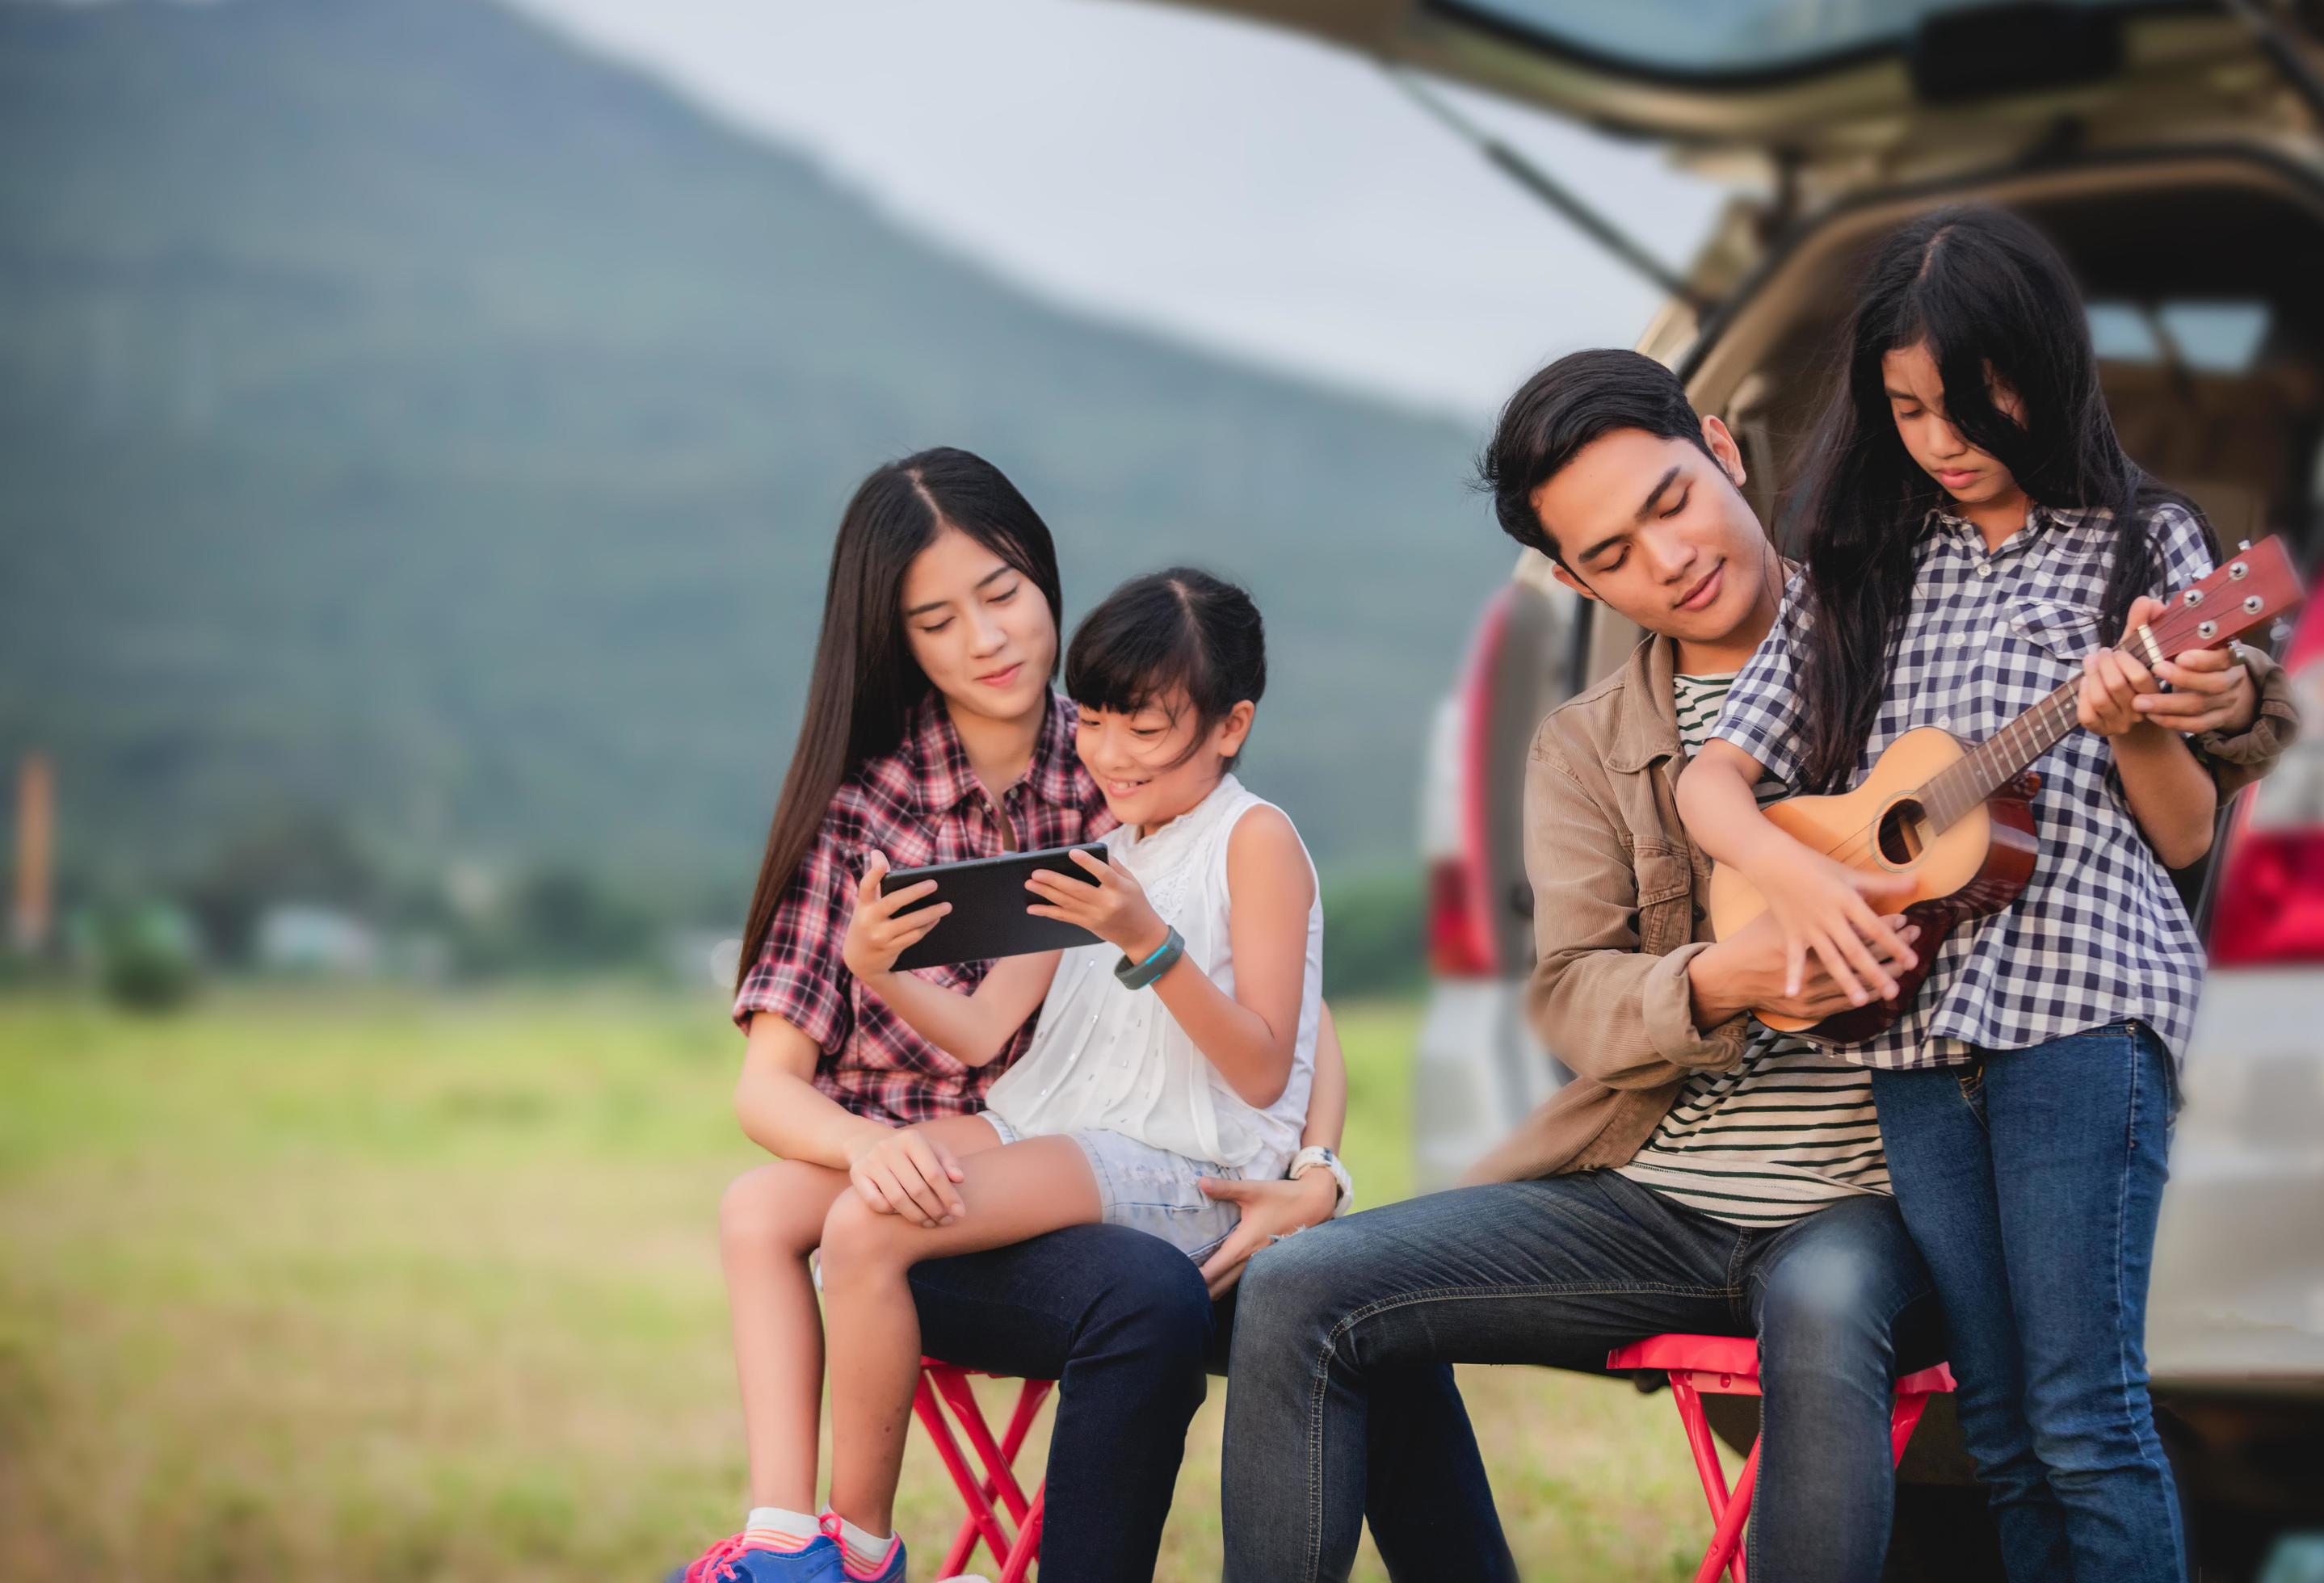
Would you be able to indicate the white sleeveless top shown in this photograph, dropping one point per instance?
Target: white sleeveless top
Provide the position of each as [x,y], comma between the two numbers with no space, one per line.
[1103,1057]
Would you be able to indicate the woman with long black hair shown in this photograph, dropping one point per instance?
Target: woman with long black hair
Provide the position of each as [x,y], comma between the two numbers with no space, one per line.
[932,734]
[1975,537]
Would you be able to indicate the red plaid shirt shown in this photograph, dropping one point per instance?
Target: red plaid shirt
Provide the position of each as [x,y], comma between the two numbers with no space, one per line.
[919,803]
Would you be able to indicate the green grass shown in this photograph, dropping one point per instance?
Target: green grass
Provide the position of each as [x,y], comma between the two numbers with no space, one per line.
[378,1287]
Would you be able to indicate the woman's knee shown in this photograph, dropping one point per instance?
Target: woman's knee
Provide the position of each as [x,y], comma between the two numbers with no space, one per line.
[775,1209]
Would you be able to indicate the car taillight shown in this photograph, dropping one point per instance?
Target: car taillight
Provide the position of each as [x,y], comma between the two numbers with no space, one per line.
[2271,901]
[1461,942]
[1458,946]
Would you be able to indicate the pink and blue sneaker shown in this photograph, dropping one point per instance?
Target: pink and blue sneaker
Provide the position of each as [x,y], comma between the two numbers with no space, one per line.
[855,1566]
[745,1559]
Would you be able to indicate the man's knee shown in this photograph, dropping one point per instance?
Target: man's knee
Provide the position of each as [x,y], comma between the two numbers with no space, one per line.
[1298,1287]
[1827,1307]
[1153,1303]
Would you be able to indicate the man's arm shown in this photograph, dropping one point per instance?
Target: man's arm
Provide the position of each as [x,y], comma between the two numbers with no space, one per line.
[1612,1012]
[2237,758]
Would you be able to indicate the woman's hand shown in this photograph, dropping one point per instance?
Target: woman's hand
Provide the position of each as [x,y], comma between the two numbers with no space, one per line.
[876,936]
[906,1173]
[1826,909]
[1114,908]
[2112,681]
[1270,1209]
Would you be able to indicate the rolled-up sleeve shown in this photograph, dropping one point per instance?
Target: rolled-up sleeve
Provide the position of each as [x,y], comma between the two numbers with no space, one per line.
[2237,759]
[799,975]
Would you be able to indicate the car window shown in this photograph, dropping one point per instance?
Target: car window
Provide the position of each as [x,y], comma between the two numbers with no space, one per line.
[2206,336]
[1686,38]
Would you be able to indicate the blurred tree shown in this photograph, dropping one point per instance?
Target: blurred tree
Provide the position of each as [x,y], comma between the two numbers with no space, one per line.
[304,855]
[146,956]
[1372,929]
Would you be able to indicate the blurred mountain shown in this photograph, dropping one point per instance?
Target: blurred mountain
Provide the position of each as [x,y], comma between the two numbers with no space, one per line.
[404,413]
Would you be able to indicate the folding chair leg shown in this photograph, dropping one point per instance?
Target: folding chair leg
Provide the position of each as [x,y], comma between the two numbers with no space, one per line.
[1707,1467]
[1028,1543]
[1727,1542]
[1000,1473]
[982,1522]
[940,1385]
[1906,1420]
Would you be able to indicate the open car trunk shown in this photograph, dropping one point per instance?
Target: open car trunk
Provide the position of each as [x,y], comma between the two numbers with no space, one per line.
[2201,271]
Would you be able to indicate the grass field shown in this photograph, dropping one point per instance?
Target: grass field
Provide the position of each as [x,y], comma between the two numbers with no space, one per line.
[377,1287]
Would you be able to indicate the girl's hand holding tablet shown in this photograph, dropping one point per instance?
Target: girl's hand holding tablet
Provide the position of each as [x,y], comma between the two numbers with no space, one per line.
[876,936]
[1113,906]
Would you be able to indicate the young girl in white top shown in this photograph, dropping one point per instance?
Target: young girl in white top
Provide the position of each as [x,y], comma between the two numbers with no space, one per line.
[1181,1046]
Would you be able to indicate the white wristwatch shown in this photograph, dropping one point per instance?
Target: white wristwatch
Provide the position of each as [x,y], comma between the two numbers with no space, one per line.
[1316,1157]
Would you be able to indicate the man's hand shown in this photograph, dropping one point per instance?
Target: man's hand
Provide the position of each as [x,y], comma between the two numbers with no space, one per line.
[1269,1209]
[1745,972]
[906,1173]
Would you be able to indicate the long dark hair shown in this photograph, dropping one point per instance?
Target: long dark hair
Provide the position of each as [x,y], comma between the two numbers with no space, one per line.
[865,683]
[1993,300]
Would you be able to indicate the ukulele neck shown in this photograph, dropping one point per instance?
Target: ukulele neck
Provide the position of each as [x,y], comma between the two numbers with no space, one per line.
[2002,756]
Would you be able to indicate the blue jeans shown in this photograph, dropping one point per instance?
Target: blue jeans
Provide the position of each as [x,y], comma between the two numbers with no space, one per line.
[1122,1320]
[2030,1182]
[1561,1272]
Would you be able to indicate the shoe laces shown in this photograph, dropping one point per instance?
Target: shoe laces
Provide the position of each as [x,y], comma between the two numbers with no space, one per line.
[717,1563]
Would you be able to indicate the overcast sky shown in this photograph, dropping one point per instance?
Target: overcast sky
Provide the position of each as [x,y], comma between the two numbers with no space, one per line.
[1227,184]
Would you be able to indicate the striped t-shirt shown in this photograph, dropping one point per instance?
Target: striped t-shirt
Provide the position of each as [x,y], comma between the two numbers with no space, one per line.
[1786,1130]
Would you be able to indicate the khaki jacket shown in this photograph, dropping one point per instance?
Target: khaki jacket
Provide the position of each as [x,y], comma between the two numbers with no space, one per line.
[1621,908]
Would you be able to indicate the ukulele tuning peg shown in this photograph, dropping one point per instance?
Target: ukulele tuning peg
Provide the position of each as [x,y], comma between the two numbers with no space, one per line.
[2242,545]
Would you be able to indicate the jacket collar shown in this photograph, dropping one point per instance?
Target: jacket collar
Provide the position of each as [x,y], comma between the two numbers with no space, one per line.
[1648,727]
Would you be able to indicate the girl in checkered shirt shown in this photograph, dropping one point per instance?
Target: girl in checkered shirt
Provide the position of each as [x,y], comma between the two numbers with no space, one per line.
[1975,537]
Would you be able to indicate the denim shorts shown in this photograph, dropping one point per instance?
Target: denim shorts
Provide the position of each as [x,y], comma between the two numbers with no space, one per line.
[1151,1190]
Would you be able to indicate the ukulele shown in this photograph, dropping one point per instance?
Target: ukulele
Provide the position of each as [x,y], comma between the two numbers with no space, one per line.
[1959,820]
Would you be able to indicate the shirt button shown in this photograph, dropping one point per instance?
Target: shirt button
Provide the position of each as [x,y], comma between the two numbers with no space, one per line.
[1946,723]
[1984,570]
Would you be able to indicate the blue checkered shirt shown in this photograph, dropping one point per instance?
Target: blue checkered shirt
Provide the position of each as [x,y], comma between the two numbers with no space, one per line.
[2099,935]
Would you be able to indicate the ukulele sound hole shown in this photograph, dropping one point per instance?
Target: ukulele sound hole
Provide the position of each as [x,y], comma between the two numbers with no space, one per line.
[1903,833]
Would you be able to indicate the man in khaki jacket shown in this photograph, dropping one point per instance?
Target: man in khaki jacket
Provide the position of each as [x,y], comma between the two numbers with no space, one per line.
[1701,1173]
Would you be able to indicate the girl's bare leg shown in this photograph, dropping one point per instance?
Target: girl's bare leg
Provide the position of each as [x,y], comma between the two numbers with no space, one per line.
[769,1221]
[1012,1193]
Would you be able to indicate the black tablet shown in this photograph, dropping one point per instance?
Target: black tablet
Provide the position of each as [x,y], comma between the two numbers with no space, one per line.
[989,899]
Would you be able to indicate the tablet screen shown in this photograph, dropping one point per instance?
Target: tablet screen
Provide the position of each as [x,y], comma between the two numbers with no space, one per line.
[989,898]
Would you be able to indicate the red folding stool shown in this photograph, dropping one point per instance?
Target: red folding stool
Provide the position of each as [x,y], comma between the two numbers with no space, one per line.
[943,1385]
[1728,1365]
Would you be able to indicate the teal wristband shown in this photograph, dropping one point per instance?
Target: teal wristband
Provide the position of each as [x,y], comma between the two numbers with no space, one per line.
[1136,975]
